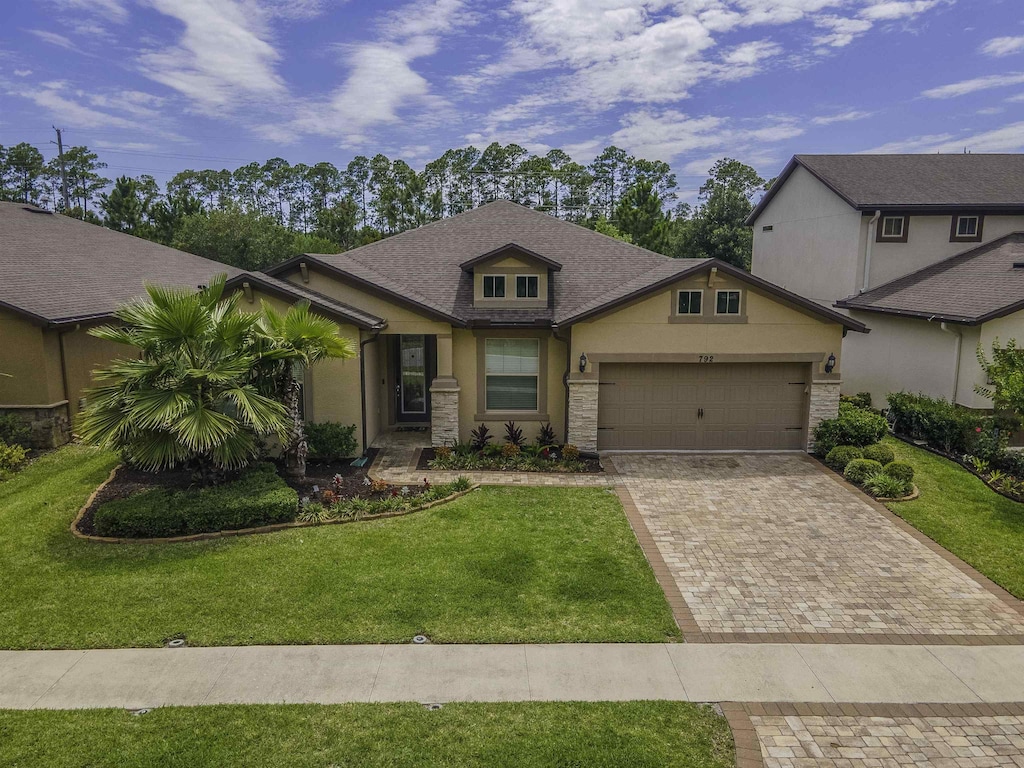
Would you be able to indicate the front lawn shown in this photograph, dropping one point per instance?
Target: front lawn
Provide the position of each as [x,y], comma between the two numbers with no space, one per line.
[498,565]
[635,734]
[961,513]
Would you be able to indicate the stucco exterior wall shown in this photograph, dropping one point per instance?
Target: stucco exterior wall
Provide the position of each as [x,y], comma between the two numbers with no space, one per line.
[32,364]
[84,354]
[814,247]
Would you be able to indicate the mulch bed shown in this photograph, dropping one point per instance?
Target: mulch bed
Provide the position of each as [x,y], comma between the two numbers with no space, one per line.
[591,465]
[127,482]
[321,475]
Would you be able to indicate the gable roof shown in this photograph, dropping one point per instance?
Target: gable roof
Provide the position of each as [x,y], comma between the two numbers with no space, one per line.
[510,247]
[324,305]
[425,268]
[987,182]
[970,288]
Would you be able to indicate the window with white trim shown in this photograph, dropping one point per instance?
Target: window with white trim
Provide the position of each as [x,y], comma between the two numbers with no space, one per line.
[494,286]
[967,227]
[893,227]
[689,303]
[512,374]
[527,286]
[727,302]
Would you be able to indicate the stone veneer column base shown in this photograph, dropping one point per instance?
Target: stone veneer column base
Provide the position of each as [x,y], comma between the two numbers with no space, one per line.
[444,412]
[824,405]
[50,425]
[583,394]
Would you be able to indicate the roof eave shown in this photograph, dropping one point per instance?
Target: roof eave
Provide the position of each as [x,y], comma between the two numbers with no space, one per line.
[335,312]
[468,265]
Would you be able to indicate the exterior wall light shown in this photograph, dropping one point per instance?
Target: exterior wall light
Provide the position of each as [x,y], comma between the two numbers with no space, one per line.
[830,364]
[583,362]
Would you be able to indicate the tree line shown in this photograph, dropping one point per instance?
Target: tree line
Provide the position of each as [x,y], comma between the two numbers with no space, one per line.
[261,213]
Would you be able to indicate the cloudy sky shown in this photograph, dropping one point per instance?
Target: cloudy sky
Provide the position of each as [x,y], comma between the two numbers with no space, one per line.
[159,85]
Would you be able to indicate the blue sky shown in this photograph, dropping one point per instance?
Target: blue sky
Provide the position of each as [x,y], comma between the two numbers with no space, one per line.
[160,85]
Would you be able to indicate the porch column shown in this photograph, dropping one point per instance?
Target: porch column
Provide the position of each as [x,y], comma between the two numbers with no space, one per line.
[583,414]
[444,397]
[824,404]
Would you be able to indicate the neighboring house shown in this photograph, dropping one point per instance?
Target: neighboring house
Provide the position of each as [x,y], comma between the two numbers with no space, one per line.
[60,276]
[921,247]
[504,313]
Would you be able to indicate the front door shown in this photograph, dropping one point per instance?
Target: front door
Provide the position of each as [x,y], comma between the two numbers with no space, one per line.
[414,369]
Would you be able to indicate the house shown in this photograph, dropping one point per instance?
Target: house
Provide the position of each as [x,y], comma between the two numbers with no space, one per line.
[60,276]
[505,313]
[921,247]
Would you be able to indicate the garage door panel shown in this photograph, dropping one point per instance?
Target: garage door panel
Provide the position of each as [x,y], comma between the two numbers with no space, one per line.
[654,406]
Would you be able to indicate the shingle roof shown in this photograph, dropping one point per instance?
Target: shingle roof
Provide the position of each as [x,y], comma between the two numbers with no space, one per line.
[871,182]
[318,301]
[424,267]
[969,288]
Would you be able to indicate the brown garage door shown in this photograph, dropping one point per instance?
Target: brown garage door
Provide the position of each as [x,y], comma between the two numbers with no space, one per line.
[716,406]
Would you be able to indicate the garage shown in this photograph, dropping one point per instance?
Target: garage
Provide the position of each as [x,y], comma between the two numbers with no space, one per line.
[702,406]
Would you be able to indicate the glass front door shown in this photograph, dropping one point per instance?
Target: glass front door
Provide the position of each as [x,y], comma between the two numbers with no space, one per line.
[412,377]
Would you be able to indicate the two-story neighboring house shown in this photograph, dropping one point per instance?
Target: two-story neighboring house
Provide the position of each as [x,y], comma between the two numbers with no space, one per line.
[926,249]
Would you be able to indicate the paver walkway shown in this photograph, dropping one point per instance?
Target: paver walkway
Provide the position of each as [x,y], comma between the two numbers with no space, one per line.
[772,545]
[141,677]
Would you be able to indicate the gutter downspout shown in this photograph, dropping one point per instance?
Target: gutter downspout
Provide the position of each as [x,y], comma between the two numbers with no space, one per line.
[567,340]
[959,349]
[362,380]
[872,225]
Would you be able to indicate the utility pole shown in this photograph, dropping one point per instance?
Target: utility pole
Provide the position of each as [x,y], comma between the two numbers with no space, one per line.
[63,172]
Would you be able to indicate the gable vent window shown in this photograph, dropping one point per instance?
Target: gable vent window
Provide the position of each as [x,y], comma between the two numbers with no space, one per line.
[893,229]
[494,286]
[527,286]
[966,229]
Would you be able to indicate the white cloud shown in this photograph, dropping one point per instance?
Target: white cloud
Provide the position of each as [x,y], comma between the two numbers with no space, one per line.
[842,117]
[222,59]
[965,87]
[890,10]
[137,103]
[114,10]
[1003,46]
[914,144]
[54,39]
[22,72]
[842,30]
[52,98]
[1008,138]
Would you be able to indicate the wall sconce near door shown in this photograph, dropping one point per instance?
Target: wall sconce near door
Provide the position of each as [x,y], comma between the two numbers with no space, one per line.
[830,364]
[583,362]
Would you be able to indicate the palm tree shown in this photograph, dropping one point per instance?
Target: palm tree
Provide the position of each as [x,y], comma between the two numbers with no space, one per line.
[199,392]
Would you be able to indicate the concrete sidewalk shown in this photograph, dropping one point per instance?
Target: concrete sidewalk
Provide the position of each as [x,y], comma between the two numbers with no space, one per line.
[134,678]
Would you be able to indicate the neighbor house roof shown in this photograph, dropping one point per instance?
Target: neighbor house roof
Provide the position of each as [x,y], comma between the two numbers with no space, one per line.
[983,182]
[58,270]
[970,288]
[425,268]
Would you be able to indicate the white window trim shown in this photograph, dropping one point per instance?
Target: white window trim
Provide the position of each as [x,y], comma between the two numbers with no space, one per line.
[526,298]
[977,225]
[483,289]
[903,227]
[690,314]
[488,374]
[739,302]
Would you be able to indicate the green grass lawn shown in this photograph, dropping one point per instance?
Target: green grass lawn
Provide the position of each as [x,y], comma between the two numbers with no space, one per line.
[961,513]
[498,565]
[619,735]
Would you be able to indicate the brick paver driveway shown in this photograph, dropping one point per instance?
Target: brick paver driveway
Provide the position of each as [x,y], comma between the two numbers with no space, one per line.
[771,544]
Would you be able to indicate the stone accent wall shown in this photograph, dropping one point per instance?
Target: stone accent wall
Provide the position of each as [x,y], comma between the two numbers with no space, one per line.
[583,396]
[824,405]
[50,425]
[444,412]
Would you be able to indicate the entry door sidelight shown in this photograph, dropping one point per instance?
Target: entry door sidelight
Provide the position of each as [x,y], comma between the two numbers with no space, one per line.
[414,369]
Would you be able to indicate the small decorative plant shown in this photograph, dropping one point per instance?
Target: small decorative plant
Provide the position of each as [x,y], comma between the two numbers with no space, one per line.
[514,434]
[979,465]
[546,436]
[480,437]
[886,486]
[570,452]
[508,450]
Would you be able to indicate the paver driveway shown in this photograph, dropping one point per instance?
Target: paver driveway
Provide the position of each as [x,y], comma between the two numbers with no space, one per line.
[768,543]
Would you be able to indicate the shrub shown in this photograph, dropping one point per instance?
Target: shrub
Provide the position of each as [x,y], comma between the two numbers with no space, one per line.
[257,498]
[900,470]
[886,486]
[11,457]
[881,453]
[508,450]
[514,434]
[859,470]
[853,426]
[842,455]
[546,436]
[330,441]
[14,431]
[570,452]
[315,512]
[859,400]
[480,437]
[941,424]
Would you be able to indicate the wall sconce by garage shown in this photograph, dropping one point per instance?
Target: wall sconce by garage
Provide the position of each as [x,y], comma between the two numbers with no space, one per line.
[583,362]
[830,364]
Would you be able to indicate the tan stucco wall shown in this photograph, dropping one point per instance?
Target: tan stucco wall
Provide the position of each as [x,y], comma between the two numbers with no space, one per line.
[465,366]
[771,328]
[83,354]
[510,266]
[32,360]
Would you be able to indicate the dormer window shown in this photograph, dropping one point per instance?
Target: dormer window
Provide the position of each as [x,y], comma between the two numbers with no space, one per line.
[966,228]
[527,286]
[893,229]
[494,286]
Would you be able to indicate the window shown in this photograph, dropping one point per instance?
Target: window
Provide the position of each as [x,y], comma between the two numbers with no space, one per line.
[689,302]
[727,302]
[527,286]
[966,229]
[893,228]
[494,286]
[512,374]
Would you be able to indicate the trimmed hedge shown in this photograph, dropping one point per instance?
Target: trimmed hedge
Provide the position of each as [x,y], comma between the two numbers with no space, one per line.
[258,498]
[842,455]
[329,440]
[859,470]
[853,426]
[900,470]
[881,453]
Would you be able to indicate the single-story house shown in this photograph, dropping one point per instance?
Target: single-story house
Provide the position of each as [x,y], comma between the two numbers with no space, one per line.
[503,313]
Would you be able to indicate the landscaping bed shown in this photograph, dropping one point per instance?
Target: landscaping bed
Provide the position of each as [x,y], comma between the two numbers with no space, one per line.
[529,459]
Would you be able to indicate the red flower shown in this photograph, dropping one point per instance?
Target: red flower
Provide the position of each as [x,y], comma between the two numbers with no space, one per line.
[977,429]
